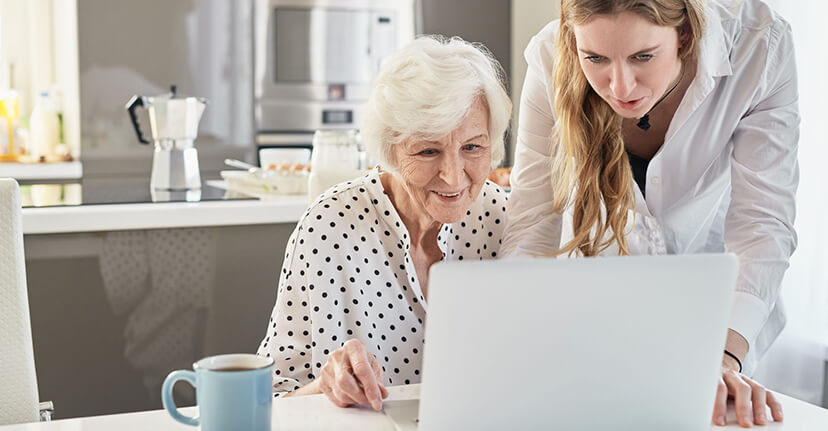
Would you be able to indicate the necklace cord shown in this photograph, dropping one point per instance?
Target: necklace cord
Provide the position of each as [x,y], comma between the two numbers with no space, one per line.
[644,122]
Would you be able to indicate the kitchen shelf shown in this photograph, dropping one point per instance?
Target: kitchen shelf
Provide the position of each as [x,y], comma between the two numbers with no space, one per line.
[42,171]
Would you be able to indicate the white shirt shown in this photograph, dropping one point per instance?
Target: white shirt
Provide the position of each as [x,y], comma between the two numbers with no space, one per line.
[724,180]
[347,274]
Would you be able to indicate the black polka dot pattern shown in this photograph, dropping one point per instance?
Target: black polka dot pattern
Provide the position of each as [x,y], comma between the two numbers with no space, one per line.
[347,274]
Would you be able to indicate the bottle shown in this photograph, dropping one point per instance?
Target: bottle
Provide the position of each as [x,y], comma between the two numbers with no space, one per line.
[44,128]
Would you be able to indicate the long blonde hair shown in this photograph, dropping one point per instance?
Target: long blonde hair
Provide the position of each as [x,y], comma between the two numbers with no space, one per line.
[591,171]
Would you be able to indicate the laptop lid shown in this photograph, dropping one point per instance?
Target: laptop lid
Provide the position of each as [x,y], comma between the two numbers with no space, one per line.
[597,343]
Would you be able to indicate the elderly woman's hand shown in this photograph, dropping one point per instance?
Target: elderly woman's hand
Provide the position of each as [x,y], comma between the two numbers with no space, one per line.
[353,376]
[750,398]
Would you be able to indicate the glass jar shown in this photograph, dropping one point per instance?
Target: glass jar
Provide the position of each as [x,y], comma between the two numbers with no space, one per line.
[335,159]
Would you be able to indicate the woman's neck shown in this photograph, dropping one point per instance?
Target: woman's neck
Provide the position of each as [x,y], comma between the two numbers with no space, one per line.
[422,228]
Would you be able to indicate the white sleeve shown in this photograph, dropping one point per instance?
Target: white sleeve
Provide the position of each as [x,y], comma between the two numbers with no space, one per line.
[288,336]
[764,176]
[532,225]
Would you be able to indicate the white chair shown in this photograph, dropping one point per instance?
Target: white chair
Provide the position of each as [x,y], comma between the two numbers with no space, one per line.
[18,381]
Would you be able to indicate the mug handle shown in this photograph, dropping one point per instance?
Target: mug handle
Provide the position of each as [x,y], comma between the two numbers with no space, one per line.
[167,399]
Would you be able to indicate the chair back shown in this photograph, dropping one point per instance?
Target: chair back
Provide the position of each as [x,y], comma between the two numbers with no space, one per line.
[18,381]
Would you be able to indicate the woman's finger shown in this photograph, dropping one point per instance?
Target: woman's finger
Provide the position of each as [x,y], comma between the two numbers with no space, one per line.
[328,383]
[379,375]
[345,399]
[329,393]
[775,406]
[741,397]
[720,406]
[345,382]
[376,367]
[759,399]
[361,366]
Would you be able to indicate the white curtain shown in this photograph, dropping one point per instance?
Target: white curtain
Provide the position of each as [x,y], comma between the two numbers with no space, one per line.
[795,363]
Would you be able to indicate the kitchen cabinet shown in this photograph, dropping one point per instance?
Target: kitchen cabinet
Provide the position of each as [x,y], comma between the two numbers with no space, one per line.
[117,304]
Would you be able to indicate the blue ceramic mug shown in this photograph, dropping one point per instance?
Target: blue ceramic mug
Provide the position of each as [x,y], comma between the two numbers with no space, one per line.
[233,392]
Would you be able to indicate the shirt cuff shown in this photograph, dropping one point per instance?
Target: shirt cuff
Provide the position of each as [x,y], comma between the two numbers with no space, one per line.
[748,316]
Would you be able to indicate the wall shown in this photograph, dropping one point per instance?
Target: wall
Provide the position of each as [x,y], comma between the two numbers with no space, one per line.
[143,47]
[796,363]
[485,21]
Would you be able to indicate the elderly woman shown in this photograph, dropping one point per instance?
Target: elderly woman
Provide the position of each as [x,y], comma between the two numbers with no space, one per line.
[353,292]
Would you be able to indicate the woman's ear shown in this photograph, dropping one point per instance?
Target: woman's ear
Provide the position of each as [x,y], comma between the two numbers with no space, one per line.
[683,35]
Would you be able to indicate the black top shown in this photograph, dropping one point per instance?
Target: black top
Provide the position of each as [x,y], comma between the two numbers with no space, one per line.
[639,171]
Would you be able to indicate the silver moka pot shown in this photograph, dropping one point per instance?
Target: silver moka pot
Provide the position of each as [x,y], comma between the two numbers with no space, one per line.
[174,125]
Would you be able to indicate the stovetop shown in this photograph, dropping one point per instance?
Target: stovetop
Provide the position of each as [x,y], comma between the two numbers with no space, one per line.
[115,191]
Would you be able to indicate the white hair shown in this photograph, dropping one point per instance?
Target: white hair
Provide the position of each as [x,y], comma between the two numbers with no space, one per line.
[426,89]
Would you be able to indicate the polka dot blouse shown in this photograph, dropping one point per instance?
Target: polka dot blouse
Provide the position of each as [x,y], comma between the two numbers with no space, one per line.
[347,274]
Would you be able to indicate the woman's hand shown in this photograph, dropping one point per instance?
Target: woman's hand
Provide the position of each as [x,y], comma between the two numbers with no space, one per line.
[750,398]
[353,376]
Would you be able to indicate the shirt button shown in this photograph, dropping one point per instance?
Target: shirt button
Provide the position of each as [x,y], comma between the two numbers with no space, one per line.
[655,180]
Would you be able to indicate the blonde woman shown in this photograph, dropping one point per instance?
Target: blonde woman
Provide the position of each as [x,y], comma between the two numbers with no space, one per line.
[666,127]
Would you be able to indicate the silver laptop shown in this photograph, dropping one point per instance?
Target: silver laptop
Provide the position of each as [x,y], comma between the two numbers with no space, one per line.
[632,343]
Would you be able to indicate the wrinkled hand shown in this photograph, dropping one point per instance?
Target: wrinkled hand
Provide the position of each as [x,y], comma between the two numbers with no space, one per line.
[750,398]
[353,376]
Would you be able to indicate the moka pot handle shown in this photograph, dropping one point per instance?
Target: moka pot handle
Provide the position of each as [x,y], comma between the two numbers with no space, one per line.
[135,102]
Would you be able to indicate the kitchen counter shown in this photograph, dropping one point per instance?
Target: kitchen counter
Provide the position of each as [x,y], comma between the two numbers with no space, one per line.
[100,210]
[111,217]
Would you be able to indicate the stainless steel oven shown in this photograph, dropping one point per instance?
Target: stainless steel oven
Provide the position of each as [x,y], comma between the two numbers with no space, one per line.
[314,62]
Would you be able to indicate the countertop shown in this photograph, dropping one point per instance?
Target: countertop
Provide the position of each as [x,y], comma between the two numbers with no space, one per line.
[155,215]
[92,218]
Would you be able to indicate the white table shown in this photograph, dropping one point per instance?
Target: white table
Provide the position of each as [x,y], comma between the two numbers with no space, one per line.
[317,413]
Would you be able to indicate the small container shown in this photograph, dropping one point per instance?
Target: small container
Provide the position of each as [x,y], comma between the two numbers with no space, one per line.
[335,159]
